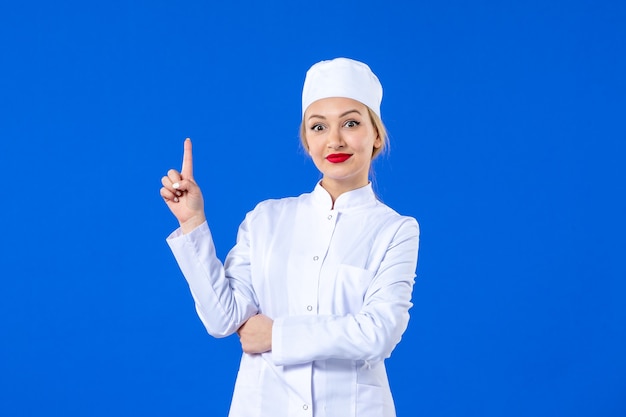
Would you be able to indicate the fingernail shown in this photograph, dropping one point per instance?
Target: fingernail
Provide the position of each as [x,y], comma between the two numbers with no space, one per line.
[176,199]
[178,193]
[176,185]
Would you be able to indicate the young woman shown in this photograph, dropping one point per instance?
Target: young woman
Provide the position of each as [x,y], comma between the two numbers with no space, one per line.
[318,287]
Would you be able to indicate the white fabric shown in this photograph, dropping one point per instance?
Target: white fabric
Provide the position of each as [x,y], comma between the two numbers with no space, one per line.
[337,283]
[342,77]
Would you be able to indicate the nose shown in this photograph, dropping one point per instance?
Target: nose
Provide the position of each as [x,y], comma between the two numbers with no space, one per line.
[335,141]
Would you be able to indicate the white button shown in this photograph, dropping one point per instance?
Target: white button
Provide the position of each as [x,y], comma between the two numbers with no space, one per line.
[310,308]
[305,407]
[315,258]
[330,216]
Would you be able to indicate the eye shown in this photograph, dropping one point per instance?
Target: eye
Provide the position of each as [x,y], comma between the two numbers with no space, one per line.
[317,127]
[351,123]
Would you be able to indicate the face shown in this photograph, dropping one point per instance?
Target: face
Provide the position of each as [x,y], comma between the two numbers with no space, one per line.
[341,138]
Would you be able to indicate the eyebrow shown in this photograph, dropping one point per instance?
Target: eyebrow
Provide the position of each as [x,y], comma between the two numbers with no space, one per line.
[340,116]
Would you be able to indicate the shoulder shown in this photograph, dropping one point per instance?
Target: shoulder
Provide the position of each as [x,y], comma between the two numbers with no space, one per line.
[272,207]
[392,227]
[398,231]
[392,217]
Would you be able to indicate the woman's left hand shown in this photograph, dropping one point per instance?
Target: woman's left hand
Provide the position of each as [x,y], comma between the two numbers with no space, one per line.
[255,334]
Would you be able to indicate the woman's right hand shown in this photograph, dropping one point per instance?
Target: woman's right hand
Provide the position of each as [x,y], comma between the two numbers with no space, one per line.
[182,195]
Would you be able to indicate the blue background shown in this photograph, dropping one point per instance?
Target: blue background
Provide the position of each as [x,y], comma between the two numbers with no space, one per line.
[507,144]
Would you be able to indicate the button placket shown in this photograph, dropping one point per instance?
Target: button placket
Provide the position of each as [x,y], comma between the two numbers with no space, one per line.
[320,245]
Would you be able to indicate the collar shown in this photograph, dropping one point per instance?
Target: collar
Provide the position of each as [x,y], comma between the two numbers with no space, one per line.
[360,197]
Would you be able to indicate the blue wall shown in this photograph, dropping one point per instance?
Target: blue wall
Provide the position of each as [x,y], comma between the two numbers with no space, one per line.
[508,145]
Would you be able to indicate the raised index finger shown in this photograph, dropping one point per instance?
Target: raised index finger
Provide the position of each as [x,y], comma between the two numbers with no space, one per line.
[187,169]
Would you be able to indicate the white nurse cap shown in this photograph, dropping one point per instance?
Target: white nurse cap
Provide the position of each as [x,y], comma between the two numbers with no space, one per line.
[342,77]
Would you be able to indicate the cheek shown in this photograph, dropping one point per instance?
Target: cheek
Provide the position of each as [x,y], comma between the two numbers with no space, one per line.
[364,145]
[314,146]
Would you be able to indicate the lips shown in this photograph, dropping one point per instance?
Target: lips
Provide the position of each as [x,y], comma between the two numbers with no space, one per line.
[336,158]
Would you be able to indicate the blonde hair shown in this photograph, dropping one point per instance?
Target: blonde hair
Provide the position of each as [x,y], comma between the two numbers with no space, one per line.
[378,125]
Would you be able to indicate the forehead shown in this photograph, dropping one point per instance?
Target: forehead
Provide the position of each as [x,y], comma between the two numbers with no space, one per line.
[334,107]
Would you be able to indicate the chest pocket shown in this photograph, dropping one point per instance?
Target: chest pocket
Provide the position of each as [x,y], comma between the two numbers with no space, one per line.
[349,289]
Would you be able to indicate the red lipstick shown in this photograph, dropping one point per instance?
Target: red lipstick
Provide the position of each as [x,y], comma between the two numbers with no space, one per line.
[336,158]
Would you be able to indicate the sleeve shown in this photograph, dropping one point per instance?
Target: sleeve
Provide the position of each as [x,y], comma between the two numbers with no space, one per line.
[372,333]
[223,300]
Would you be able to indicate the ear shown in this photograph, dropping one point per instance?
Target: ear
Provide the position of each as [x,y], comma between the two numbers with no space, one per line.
[378,142]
